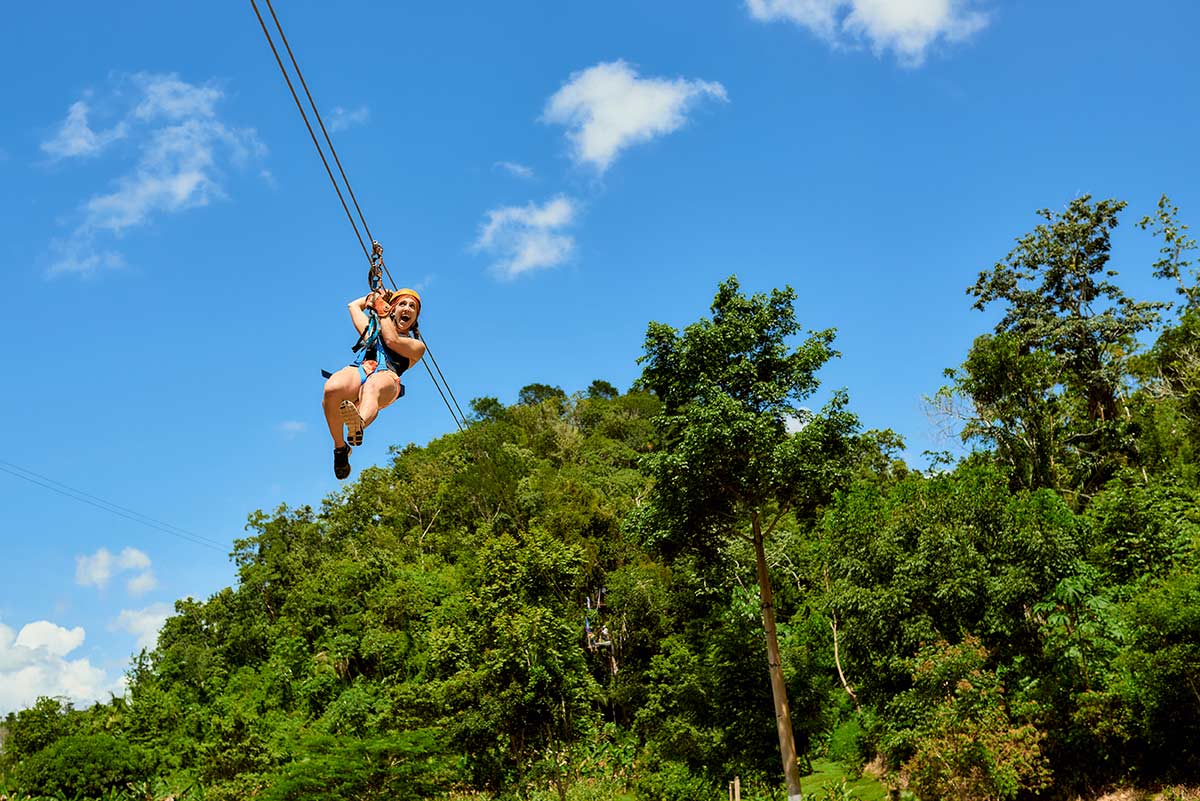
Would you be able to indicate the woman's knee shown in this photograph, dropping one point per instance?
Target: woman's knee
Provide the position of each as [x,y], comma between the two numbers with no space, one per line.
[341,385]
[381,390]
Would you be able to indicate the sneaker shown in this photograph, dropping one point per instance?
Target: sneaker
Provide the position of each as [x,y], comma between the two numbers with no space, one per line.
[341,461]
[354,423]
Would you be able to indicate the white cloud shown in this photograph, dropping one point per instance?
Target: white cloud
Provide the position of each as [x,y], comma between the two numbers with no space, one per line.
[76,138]
[167,97]
[142,583]
[607,108]
[144,624]
[908,28]
[342,119]
[528,237]
[96,570]
[513,168]
[132,559]
[33,663]
[78,254]
[291,428]
[181,148]
[798,420]
[55,639]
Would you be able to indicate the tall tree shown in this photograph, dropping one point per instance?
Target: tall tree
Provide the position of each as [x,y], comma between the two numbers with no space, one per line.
[736,450]
[1047,388]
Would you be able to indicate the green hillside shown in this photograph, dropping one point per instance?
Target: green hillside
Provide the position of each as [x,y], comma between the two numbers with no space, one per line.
[562,602]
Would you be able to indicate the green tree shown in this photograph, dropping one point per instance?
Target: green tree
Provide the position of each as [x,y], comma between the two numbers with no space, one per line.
[487,408]
[511,669]
[731,462]
[1169,408]
[37,727]
[602,389]
[1161,676]
[83,766]
[1048,388]
[933,556]
[534,394]
[1173,263]
[967,743]
[404,767]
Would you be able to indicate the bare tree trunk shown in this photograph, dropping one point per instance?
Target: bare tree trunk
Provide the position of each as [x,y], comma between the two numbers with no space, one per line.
[837,660]
[783,717]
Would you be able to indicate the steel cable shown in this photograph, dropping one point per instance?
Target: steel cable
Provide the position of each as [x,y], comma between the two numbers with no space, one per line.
[308,125]
[459,417]
[46,482]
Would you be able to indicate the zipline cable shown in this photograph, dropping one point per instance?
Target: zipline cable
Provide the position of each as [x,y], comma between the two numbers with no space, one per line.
[429,353]
[329,141]
[459,417]
[308,125]
[439,389]
[68,491]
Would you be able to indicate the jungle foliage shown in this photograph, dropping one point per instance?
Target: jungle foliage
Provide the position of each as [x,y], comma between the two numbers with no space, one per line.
[563,600]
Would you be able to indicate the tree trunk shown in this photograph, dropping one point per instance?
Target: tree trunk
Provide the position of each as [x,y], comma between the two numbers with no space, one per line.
[783,717]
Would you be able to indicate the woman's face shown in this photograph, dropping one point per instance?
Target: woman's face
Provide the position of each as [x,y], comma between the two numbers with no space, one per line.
[404,312]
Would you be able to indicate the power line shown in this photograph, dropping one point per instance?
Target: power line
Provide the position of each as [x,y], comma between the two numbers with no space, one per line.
[25,474]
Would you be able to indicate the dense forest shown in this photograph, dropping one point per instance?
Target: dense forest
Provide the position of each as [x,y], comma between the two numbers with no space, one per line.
[642,594]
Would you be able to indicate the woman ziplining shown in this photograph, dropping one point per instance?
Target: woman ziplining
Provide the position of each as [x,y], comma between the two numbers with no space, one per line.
[386,322]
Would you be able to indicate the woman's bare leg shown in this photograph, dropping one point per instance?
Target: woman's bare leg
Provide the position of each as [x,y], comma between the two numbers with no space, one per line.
[341,386]
[379,391]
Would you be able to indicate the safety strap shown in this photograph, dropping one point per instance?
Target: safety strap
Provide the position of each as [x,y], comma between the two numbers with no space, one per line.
[368,339]
[370,334]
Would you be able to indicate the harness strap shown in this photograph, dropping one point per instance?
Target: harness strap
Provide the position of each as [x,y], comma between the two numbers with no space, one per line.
[370,334]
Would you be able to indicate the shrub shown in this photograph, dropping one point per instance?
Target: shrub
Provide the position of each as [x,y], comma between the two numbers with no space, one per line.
[673,782]
[397,767]
[83,766]
[966,742]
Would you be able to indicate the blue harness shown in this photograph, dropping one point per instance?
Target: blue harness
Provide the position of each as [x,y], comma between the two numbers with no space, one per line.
[370,347]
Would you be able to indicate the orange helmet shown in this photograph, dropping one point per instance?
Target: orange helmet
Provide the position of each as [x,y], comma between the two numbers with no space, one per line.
[392,297]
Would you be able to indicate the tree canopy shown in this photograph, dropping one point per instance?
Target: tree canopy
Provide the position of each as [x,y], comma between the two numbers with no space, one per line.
[572,597]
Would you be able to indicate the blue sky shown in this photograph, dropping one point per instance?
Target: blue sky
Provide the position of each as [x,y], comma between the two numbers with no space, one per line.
[551,177]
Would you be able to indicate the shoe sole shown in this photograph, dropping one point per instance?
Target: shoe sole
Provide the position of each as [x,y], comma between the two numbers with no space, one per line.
[354,423]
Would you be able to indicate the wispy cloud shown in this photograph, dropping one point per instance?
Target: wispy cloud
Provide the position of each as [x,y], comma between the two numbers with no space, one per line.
[181,148]
[908,28]
[75,136]
[34,663]
[142,583]
[291,428]
[513,168]
[144,624]
[341,119]
[607,108]
[97,569]
[527,238]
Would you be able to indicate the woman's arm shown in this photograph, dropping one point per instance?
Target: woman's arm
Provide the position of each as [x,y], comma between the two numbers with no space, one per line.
[358,313]
[411,349]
